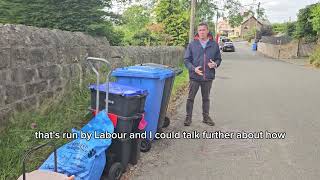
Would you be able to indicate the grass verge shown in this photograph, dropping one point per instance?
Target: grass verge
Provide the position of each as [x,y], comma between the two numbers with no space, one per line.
[180,81]
[66,112]
[315,58]
[179,89]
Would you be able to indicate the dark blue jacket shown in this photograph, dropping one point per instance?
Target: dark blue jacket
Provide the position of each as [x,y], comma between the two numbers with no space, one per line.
[196,55]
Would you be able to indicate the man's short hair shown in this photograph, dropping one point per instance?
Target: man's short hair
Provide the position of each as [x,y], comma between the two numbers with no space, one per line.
[203,24]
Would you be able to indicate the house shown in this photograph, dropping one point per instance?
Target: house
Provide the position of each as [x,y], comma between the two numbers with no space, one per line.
[249,24]
[223,27]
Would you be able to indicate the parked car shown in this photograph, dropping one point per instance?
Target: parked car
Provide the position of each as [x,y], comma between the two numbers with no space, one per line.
[226,40]
[228,46]
[222,41]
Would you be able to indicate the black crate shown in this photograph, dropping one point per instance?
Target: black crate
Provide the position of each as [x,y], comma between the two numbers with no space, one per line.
[121,105]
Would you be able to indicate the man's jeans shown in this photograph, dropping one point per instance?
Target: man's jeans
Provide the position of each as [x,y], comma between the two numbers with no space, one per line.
[205,92]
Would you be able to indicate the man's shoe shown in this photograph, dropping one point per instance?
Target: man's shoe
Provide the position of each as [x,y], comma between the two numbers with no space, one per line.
[187,122]
[208,121]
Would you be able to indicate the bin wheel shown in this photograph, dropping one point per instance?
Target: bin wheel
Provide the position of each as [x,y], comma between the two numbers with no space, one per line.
[166,122]
[145,145]
[115,171]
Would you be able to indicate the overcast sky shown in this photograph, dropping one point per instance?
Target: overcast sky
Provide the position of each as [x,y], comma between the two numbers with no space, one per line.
[281,10]
[276,10]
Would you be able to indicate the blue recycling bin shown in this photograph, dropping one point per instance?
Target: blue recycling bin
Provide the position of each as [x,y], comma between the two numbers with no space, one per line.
[151,79]
[254,46]
[164,121]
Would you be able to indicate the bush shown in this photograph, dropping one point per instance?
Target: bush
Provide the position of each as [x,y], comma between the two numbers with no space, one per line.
[278,27]
[315,57]
[290,28]
[304,25]
[250,35]
[315,14]
[265,31]
[142,38]
[113,35]
[310,38]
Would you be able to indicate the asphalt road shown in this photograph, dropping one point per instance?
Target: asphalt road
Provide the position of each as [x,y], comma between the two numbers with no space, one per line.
[252,94]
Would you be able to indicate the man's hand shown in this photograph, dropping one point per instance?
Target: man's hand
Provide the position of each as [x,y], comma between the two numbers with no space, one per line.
[198,71]
[70,178]
[212,64]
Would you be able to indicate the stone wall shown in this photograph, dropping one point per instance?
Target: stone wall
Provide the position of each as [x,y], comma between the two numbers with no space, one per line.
[269,50]
[306,49]
[36,63]
[293,49]
[172,56]
[284,51]
[276,39]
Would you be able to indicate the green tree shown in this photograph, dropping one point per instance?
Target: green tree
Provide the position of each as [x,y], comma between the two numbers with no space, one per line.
[70,15]
[174,15]
[279,27]
[261,13]
[144,38]
[177,27]
[250,35]
[136,17]
[315,14]
[114,36]
[158,32]
[234,16]
[304,26]
[235,20]
[205,11]
[290,28]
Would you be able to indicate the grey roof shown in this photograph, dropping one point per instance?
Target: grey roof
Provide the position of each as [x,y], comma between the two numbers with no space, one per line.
[262,21]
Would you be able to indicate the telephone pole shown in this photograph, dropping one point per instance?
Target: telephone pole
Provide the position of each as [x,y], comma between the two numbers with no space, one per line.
[258,15]
[258,12]
[192,19]
[216,27]
[217,18]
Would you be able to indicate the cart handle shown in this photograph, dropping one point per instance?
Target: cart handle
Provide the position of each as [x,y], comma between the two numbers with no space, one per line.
[89,59]
[36,148]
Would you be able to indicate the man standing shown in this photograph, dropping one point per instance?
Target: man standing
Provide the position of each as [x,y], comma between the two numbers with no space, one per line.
[202,58]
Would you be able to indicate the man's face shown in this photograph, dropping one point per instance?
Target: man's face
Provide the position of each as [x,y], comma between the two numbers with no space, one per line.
[203,32]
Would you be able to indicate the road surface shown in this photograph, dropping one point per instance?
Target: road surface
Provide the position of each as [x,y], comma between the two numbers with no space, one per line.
[252,94]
